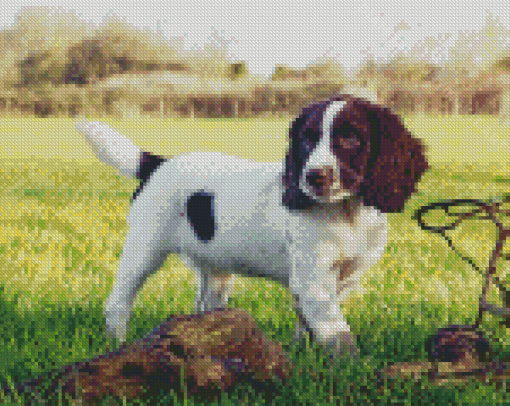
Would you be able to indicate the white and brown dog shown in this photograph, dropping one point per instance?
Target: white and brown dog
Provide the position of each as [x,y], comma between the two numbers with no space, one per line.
[315,222]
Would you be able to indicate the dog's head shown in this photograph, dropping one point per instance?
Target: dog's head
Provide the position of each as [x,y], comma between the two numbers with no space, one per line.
[346,147]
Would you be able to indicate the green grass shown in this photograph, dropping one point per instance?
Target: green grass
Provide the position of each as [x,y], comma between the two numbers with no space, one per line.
[62,227]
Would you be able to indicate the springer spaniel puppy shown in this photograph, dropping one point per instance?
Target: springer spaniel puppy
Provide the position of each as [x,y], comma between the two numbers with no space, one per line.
[315,222]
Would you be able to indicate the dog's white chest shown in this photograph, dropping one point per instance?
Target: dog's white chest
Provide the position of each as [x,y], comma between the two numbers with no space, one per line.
[333,235]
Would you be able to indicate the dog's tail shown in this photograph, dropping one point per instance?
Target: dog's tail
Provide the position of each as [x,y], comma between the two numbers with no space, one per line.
[112,147]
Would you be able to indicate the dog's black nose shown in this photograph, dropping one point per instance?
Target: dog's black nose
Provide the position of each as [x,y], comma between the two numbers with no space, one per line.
[320,179]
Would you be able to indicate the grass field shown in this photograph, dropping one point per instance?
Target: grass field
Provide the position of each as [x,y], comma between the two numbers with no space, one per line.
[63,224]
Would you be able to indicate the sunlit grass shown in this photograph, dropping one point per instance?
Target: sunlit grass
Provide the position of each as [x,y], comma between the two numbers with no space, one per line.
[54,138]
[63,224]
[476,139]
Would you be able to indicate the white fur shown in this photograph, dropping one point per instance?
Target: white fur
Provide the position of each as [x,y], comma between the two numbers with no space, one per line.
[111,147]
[255,235]
[323,156]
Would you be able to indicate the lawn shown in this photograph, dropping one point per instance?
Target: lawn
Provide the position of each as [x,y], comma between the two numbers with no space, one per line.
[63,224]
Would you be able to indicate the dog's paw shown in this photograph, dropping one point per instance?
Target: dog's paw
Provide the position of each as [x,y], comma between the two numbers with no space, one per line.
[343,345]
[301,333]
[117,318]
[346,345]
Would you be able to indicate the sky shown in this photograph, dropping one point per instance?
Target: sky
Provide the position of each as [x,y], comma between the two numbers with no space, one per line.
[265,33]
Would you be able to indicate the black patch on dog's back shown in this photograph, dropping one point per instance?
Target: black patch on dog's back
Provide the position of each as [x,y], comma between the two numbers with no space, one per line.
[148,165]
[200,211]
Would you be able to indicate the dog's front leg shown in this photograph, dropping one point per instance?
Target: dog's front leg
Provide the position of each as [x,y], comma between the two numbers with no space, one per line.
[302,330]
[314,283]
[330,331]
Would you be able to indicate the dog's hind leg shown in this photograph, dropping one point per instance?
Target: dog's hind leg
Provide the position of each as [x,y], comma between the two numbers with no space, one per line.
[213,289]
[144,252]
[136,265]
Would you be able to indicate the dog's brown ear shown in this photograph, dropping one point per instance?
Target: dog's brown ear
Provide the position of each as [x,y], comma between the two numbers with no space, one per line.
[397,162]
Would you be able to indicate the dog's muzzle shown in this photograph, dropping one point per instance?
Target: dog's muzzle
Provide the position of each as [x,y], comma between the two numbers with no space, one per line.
[321,180]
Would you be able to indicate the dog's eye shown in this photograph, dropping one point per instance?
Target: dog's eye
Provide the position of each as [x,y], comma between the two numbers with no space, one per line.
[346,138]
[350,142]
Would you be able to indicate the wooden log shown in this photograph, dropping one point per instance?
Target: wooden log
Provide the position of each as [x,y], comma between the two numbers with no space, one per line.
[208,352]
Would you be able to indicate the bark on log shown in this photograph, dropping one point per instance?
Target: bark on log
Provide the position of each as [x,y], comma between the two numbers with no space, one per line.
[213,350]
